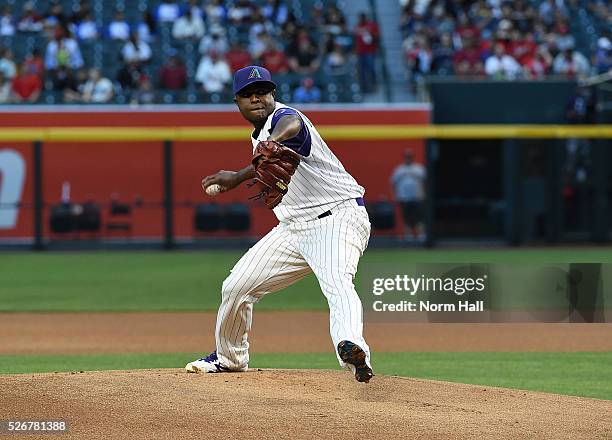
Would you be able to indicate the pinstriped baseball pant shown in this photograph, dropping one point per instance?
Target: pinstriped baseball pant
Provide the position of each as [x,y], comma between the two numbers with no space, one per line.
[330,247]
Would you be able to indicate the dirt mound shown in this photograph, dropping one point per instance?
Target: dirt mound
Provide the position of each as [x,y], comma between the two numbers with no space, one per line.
[282,404]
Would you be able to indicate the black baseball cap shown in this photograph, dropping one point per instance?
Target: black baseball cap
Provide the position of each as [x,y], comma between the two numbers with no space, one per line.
[251,75]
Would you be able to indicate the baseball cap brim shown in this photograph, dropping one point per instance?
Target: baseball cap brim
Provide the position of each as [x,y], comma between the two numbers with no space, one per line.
[268,84]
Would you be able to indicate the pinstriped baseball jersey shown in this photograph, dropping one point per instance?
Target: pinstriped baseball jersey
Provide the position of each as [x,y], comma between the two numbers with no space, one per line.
[320,182]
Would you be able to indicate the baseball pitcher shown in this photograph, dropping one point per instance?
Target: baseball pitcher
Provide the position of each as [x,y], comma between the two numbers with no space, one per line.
[323,228]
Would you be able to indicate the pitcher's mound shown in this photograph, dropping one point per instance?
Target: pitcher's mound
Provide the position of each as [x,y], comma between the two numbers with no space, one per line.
[291,404]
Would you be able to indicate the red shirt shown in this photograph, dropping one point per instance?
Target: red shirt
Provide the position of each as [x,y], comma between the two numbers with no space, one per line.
[26,85]
[366,38]
[523,50]
[237,59]
[275,61]
[173,77]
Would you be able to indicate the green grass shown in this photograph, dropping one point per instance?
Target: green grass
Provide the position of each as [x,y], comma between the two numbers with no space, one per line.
[586,374]
[189,281]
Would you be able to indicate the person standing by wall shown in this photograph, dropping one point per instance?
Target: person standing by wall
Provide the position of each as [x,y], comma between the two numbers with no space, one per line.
[408,180]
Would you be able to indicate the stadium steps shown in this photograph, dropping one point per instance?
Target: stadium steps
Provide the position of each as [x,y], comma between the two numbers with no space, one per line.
[389,13]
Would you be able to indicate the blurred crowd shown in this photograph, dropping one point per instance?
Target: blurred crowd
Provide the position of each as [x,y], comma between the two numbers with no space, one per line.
[273,37]
[504,39]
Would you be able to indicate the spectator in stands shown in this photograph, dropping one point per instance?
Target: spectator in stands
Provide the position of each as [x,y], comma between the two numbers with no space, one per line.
[63,78]
[307,92]
[7,22]
[336,62]
[97,90]
[259,23]
[55,18]
[442,61]
[241,12]
[119,29]
[550,9]
[419,58]
[7,65]
[501,65]
[196,9]
[408,181]
[26,86]
[468,61]
[303,55]
[290,28]
[216,13]
[167,12]
[82,10]
[275,11]
[565,40]
[238,57]
[63,50]
[146,27]
[215,41]
[145,94]
[522,46]
[136,50]
[571,64]
[258,44]
[87,29]
[213,73]
[188,27]
[34,63]
[539,66]
[366,46]
[173,75]
[5,90]
[333,20]
[75,86]
[29,21]
[274,59]
[130,75]
[603,56]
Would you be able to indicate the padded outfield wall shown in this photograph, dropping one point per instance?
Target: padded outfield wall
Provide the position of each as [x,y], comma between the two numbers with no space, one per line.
[97,169]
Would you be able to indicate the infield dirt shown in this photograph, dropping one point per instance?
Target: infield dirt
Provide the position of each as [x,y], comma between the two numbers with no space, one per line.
[277,332]
[287,404]
[293,404]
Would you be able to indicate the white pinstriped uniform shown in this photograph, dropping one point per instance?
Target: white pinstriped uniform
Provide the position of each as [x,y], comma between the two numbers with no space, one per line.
[300,244]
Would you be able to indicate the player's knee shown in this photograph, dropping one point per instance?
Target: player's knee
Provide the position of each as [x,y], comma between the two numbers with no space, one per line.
[232,288]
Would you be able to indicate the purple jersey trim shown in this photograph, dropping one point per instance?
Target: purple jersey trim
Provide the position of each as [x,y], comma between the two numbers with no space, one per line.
[301,142]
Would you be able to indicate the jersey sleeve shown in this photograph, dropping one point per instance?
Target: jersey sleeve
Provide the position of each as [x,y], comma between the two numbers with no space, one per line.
[301,142]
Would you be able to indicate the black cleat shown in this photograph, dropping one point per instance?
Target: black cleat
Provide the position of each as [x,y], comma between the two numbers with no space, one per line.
[354,355]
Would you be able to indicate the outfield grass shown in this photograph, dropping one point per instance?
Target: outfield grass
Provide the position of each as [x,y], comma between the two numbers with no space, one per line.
[191,281]
[584,374]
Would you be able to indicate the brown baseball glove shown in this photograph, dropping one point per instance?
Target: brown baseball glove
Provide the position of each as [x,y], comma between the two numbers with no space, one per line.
[274,165]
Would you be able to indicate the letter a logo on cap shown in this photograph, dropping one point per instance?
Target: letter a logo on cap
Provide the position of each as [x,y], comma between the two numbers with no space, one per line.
[254,73]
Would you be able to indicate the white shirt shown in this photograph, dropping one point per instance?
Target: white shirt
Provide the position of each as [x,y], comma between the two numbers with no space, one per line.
[168,12]
[213,76]
[130,53]
[101,91]
[408,181]
[8,67]
[7,28]
[320,182]
[184,28]
[208,43]
[119,30]
[507,66]
[87,30]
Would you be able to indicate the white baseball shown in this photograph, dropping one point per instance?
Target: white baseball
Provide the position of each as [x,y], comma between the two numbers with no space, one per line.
[213,190]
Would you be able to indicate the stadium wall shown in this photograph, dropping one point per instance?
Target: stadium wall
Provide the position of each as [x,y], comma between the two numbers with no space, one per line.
[134,170]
